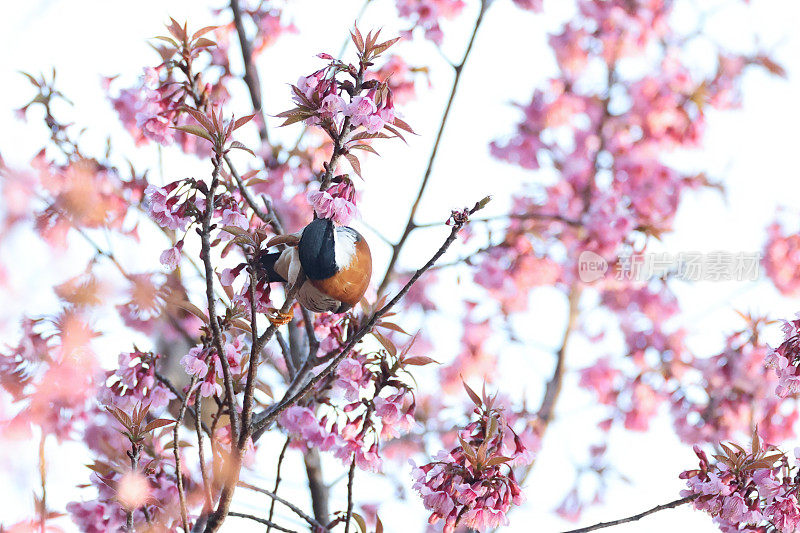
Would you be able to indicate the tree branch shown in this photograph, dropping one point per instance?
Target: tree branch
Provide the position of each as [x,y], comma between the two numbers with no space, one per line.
[411,225]
[177,453]
[216,334]
[316,485]
[268,218]
[657,508]
[250,71]
[278,478]
[252,369]
[261,521]
[553,388]
[351,475]
[290,505]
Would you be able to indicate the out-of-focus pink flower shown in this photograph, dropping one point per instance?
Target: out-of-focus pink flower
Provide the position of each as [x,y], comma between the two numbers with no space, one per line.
[132,490]
[171,257]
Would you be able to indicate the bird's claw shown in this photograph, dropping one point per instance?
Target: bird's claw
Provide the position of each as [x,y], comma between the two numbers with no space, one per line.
[276,318]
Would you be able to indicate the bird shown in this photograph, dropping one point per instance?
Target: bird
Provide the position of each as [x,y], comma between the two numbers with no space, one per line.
[336,261]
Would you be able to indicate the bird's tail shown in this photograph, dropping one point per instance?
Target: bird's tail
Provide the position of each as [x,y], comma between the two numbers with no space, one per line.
[267,263]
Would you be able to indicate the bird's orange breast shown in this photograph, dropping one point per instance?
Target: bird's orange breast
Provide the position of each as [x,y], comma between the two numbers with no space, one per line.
[349,284]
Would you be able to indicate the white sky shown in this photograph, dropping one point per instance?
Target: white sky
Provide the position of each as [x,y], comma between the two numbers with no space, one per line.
[753,149]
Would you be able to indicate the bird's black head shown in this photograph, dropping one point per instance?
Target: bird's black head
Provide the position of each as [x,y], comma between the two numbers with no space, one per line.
[317,249]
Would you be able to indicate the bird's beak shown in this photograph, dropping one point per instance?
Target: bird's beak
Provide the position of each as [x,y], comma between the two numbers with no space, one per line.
[292,239]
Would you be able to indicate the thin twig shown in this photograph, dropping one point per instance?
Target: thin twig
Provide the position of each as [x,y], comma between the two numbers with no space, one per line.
[410,225]
[194,410]
[208,503]
[250,71]
[351,475]
[299,512]
[512,216]
[268,217]
[43,481]
[278,479]
[249,389]
[261,521]
[287,355]
[342,50]
[657,508]
[133,454]
[205,254]
[177,453]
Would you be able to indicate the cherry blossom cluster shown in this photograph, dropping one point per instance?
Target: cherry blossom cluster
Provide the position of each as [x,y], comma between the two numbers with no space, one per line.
[746,491]
[337,202]
[739,392]
[177,205]
[367,401]
[134,382]
[782,259]
[149,492]
[50,375]
[473,485]
[427,14]
[320,97]
[270,23]
[83,194]
[785,359]
[154,108]
[204,363]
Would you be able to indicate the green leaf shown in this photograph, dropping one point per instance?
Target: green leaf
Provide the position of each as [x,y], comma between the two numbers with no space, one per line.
[170,40]
[195,130]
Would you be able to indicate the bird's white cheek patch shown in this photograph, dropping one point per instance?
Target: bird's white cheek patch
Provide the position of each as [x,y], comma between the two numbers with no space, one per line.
[344,243]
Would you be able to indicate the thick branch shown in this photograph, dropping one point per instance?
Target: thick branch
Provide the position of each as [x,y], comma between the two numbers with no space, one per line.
[316,485]
[657,508]
[238,443]
[410,225]
[553,388]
